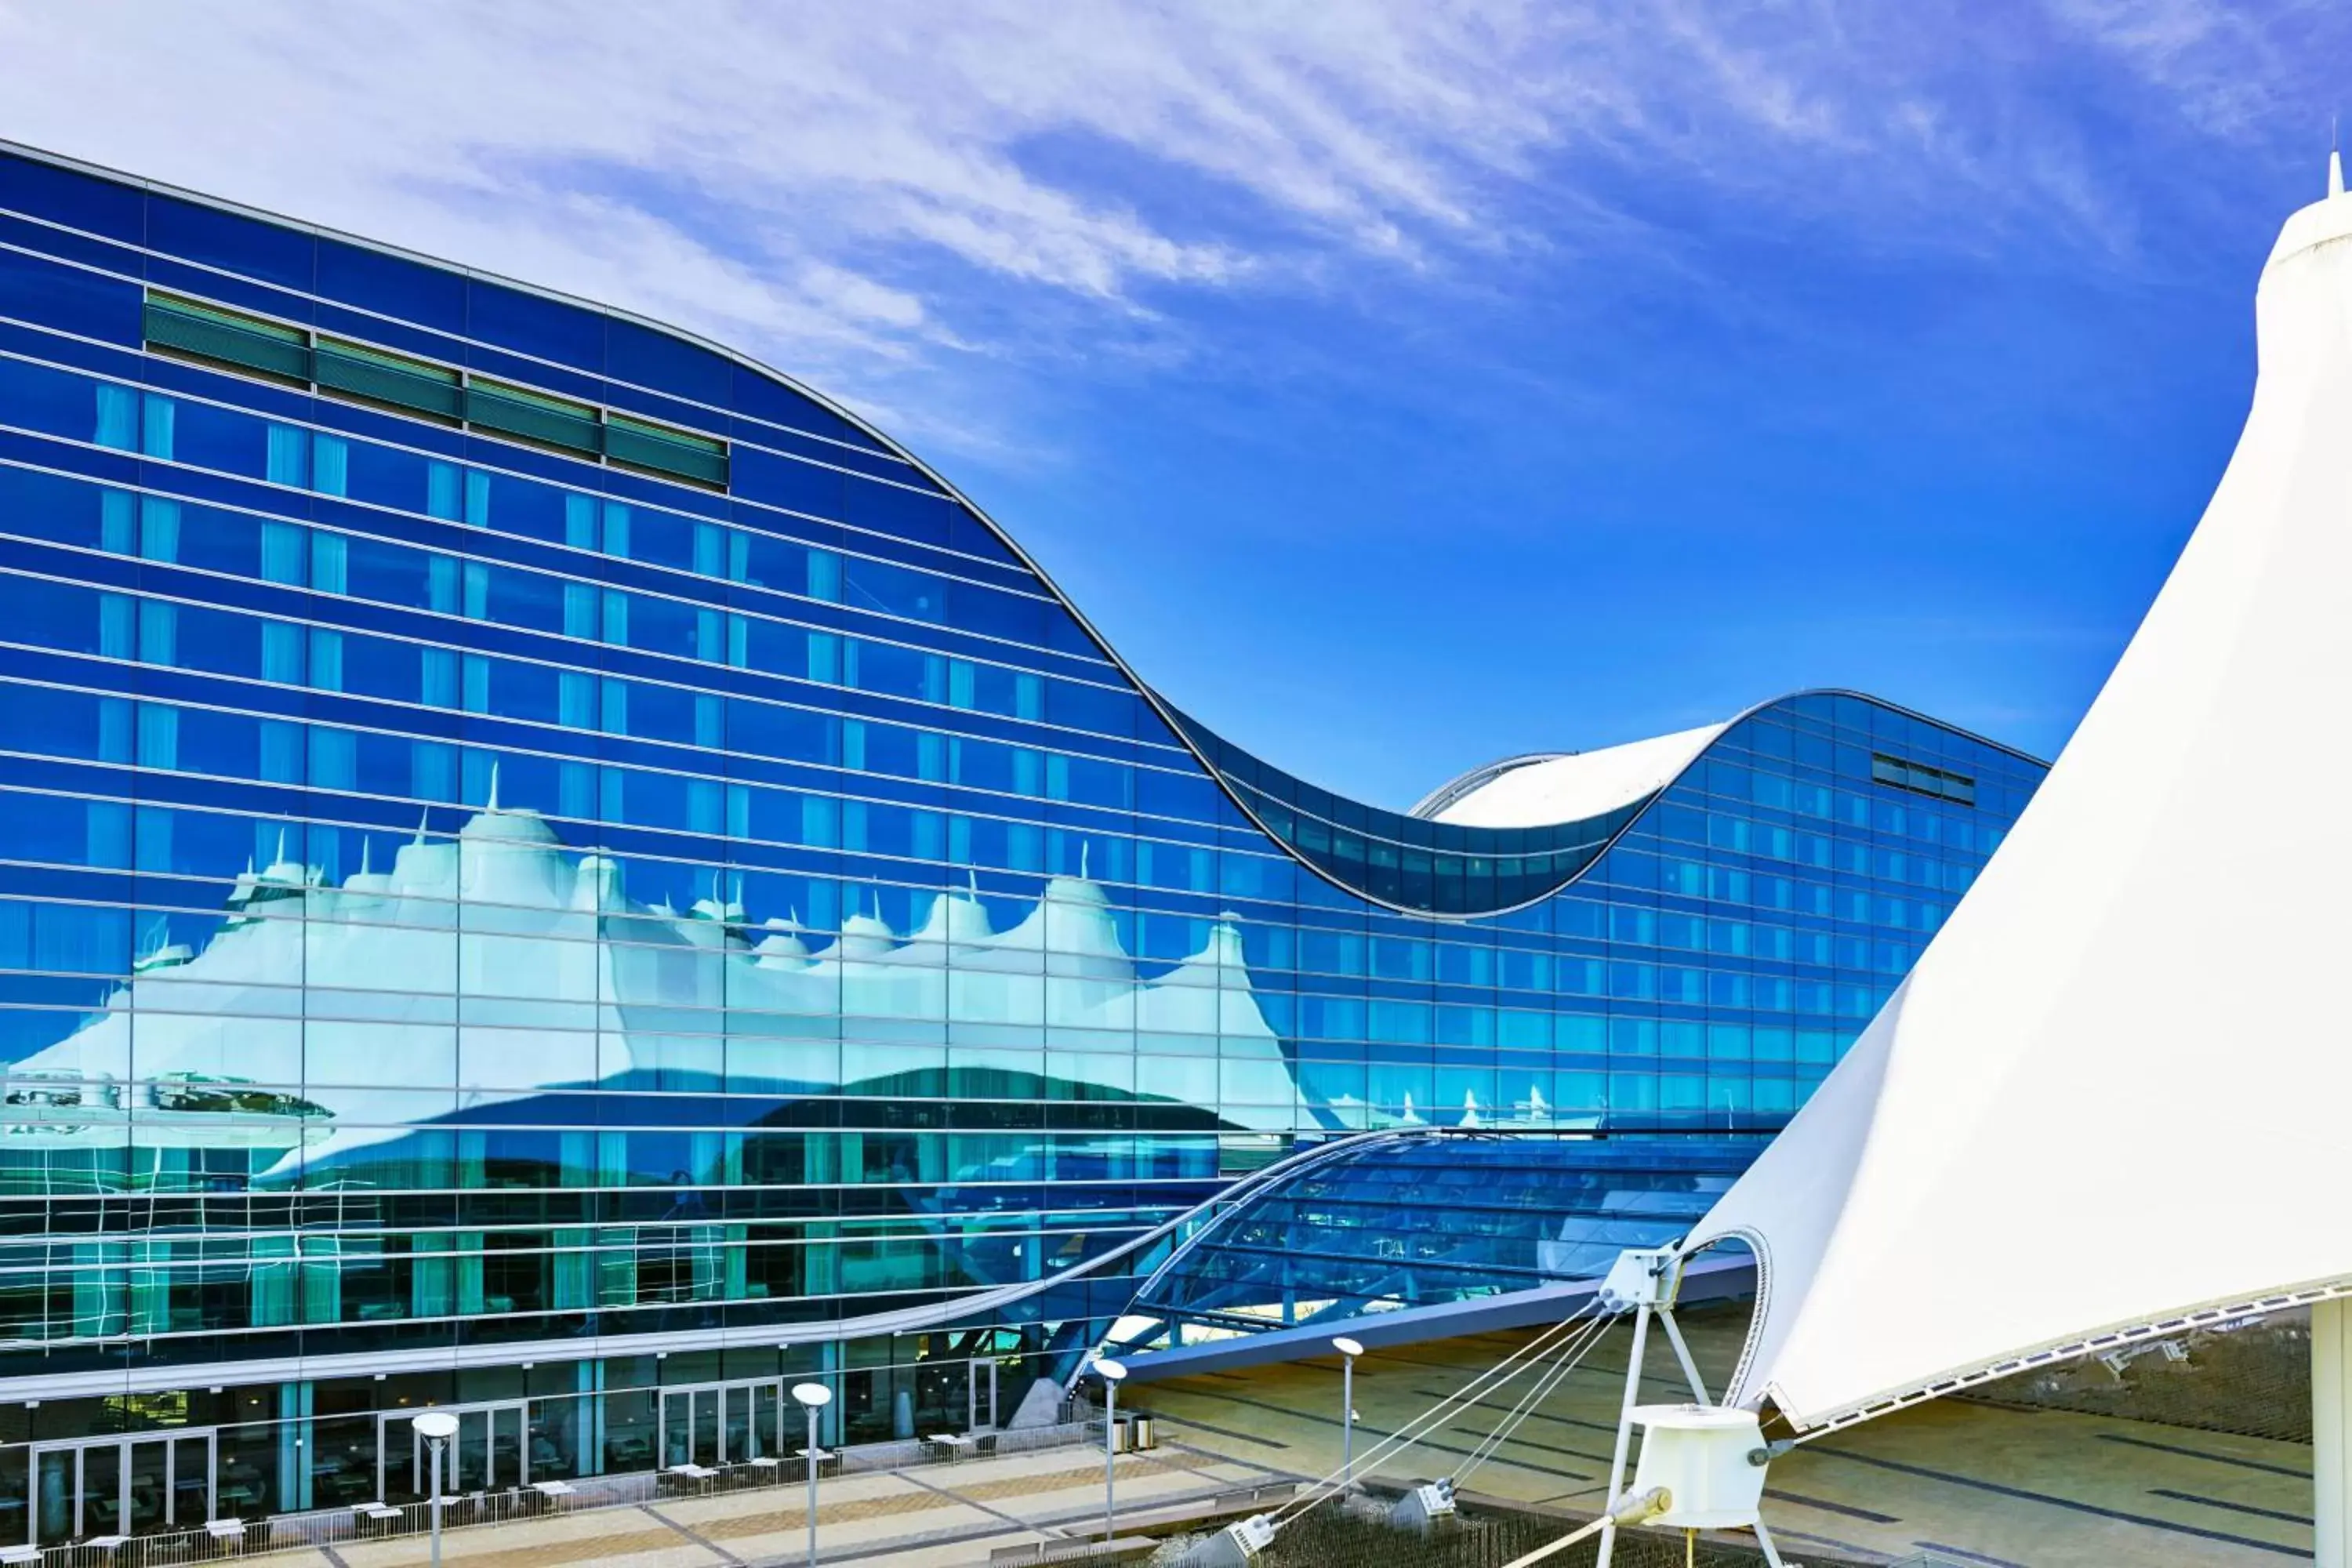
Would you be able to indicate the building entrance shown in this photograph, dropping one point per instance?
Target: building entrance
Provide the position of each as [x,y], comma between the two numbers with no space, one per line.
[488,1454]
[723,1423]
[122,1486]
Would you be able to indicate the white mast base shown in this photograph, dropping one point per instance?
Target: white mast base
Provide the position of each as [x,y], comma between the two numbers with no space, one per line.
[1646,1281]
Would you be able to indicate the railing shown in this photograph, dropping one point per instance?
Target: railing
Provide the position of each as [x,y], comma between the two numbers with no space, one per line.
[1494,1537]
[1122,1549]
[469,1511]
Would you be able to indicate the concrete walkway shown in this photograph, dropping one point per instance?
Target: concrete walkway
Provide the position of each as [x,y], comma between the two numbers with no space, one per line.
[934,1516]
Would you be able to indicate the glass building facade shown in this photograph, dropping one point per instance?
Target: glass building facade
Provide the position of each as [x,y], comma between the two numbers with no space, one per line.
[1382,1227]
[547,871]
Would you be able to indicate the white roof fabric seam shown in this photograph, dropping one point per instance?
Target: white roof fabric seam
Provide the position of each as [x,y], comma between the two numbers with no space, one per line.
[2051,1354]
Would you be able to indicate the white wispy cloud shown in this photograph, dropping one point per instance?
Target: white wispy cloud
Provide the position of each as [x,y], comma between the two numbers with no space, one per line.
[867,192]
[2231,70]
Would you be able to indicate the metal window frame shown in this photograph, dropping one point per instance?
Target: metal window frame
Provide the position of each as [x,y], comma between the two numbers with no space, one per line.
[644,443]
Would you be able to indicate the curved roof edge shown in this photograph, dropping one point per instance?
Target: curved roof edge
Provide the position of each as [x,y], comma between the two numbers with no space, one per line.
[1177,724]
[1431,806]
[1523,828]
[1539,790]
[1612,776]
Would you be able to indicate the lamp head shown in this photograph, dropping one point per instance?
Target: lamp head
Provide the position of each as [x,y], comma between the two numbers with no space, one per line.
[1346,1347]
[437,1425]
[813,1395]
[1109,1370]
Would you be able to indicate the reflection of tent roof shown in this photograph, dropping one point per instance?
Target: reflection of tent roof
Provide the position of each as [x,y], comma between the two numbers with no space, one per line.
[500,825]
[2110,1094]
[559,995]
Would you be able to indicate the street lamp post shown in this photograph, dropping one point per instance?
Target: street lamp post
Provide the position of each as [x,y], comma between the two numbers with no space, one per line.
[813,1397]
[436,1427]
[1111,1371]
[1349,1350]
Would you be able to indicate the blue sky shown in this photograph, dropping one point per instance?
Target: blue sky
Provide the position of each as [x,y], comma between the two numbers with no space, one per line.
[1397,385]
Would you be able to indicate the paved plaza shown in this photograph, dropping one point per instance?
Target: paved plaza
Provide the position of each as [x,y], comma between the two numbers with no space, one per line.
[1976,1483]
[1993,1486]
[931,1516]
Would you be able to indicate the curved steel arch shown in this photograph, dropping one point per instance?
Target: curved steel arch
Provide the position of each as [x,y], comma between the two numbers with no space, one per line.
[1574,1189]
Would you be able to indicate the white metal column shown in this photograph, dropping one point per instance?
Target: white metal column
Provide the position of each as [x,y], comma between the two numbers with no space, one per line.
[2331,1452]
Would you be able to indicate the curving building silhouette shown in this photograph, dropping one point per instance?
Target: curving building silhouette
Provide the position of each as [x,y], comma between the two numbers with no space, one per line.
[551,872]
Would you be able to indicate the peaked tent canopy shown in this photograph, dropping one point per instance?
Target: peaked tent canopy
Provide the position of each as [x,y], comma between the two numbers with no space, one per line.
[2113,1095]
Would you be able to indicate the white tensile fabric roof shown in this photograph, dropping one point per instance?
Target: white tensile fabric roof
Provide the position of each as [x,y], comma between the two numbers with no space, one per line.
[2113,1093]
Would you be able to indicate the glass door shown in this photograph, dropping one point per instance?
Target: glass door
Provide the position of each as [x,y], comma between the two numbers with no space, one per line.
[767,1421]
[167,1483]
[983,1396]
[489,1453]
[689,1426]
[125,1486]
[721,1424]
[100,1487]
[147,1487]
[194,1490]
[735,1442]
[56,1495]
